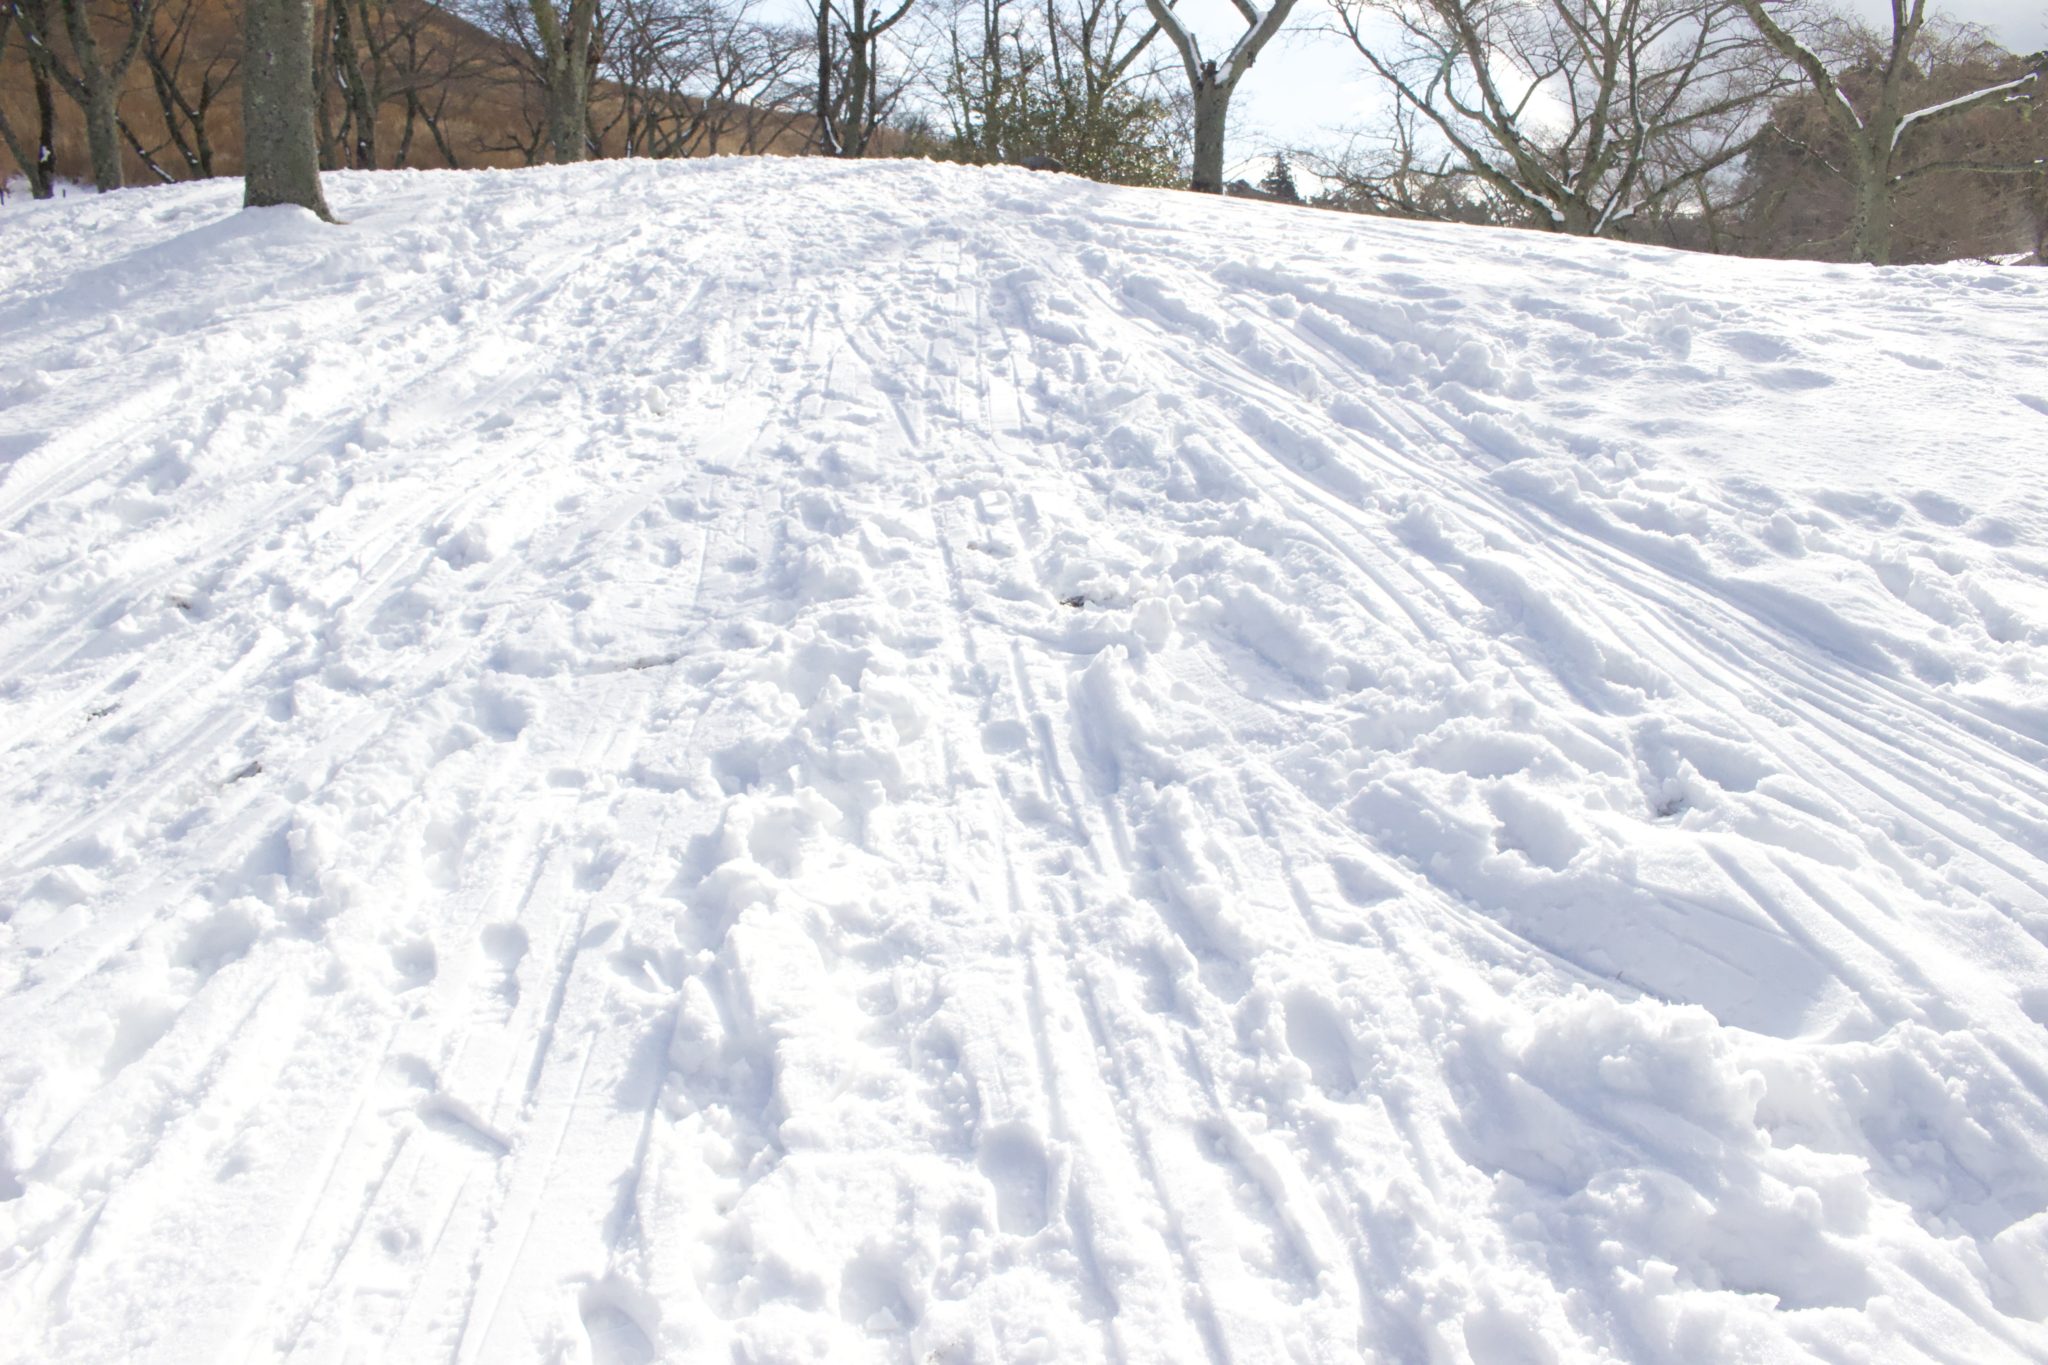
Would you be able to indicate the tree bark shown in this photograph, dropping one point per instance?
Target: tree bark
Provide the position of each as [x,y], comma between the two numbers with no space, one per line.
[103,138]
[1872,222]
[281,154]
[1212,110]
[358,99]
[325,75]
[565,67]
[43,178]
[852,141]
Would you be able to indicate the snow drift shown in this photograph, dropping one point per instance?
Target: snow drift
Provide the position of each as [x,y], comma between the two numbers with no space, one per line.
[769,761]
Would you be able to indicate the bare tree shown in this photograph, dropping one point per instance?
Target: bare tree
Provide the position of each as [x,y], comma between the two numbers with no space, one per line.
[188,76]
[555,51]
[282,160]
[377,53]
[750,91]
[1883,129]
[687,76]
[515,79]
[1403,170]
[426,61]
[1798,201]
[649,57]
[1211,85]
[1573,114]
[39,164]
[852,100]
[93,77]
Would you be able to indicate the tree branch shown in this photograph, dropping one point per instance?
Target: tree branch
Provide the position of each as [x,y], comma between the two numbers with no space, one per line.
[2026,88]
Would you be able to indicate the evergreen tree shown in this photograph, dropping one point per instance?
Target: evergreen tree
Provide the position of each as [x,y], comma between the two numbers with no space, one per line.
[1279,181]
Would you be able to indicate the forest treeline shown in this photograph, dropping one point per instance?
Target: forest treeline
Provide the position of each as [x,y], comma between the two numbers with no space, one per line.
[1734,126]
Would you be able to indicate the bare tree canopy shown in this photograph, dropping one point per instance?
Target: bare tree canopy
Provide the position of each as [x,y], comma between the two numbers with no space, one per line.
[695,77]
[1881,126]
[1573,115]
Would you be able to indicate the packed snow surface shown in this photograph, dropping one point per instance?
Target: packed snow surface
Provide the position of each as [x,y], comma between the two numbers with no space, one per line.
[771,761]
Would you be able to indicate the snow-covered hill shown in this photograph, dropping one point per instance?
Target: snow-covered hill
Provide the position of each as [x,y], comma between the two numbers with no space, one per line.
[769,761]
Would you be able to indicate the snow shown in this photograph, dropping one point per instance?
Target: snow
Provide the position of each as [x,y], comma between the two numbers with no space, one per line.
[773,761]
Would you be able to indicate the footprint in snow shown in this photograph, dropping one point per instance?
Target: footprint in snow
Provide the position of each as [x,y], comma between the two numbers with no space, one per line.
[1938,508]
[1791,378]
[616,1335]
[1317,1036]
[1757,347]
[1014,1161]
[506,945]
[871,1296]
[414,964]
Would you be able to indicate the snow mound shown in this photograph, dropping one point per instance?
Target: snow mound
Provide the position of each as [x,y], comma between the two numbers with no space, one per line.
[772,761]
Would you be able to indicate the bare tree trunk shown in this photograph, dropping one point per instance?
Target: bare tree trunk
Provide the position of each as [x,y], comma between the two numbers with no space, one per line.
[2037,209]
[1212,109]
[859,84]
[323,81]
[202,145]
[403,155]
[565,73]
[282,156]
[39,165]
[356,93]
[1871,224]
[43,178]
[103,137]
[828,139]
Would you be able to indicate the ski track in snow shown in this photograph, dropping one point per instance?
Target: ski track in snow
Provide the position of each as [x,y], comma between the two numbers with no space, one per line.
[770,761]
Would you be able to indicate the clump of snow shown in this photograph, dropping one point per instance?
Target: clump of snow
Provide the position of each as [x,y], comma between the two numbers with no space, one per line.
[769,760]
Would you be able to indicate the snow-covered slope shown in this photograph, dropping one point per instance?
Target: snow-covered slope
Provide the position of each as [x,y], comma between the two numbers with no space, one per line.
[767,761]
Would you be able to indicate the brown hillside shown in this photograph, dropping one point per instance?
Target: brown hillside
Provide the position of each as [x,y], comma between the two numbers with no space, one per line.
[446,94]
